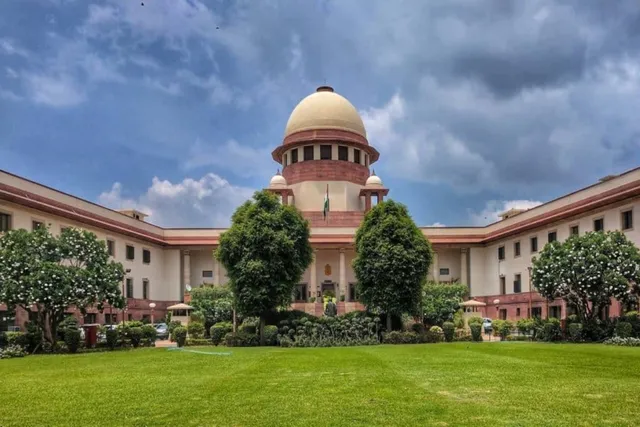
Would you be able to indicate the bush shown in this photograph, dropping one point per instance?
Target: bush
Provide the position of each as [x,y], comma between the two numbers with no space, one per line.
[458,319]
[434,334]
[626,342]
[345,330]
[476,331]
[135,335]
[197,342]
[196,316]
[180,335]
[463,338]
[195,330]
[149,333]
[418,328]
[250,325]
[551,330]
[449,330]
[633,318]
[241,339]
[72,339]
[69,322]
[624,330]
[3,339]
[575,332]
[12,351]
[171,327]
[525,326]
[517,338]
[33,336]
[16,338]
[502,328]
[112,338]
[475,320]
[271,335]
[399,337]
[218,331]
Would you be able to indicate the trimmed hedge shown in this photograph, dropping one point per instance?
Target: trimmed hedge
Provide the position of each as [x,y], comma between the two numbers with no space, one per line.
[219,330]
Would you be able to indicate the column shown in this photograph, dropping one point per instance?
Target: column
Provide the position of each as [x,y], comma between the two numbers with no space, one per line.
[313,277]
[343,276]
[367,202]
[436,269]
[464,276]
[216,271]
[186,269]
[285,198]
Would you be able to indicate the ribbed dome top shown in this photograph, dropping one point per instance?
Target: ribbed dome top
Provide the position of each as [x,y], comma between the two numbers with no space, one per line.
[325,109]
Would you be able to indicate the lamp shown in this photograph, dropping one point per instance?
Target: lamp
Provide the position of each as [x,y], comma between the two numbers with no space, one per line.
[152,306]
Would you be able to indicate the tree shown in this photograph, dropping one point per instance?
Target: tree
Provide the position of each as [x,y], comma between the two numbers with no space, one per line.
[265,252]
[440,302]
[55,273]
[587,271]
[214,302]
[392,260]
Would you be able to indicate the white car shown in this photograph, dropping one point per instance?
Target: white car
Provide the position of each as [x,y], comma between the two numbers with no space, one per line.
[487,325]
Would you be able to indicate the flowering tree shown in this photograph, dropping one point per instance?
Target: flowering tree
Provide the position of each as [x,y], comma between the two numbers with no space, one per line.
[588,270]
[53,273]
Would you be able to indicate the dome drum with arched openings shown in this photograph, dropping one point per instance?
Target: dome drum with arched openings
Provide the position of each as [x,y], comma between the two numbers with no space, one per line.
[325,116]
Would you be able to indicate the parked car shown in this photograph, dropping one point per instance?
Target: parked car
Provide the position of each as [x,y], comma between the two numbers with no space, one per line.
[163,331]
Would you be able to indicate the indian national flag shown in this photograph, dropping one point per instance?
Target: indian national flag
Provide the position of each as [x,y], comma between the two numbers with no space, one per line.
[325,210]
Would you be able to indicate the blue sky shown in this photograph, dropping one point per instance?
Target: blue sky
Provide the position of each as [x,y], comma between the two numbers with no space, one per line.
[174,107]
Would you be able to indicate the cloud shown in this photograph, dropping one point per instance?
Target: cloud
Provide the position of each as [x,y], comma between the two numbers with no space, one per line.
[207,202]
[494,208]
[10,47]
[54,91]
[9,95]
[436,224]
[233,157]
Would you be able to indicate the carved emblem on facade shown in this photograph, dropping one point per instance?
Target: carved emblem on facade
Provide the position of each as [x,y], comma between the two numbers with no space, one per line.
[327,270]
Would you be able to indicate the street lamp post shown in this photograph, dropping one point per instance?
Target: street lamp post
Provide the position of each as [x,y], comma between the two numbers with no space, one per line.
[530,296]
[124,294]
[152,306]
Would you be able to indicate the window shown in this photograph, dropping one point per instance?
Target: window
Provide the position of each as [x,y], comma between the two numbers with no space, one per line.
[503,314]
[353,294]
[5,222]
[534,245]
[207,273]
[308,153]
[627,220]
[129,317]
[598,224]
[343,153]
[146,319]
[145,288]
[536,312]
[444,271]
[517,284]
[300,293]
[574,230]
[516,249]
[503,285]
[146,256]
[552,236]
[90,318]
[294,156]
[36,224]
[501,253]
[356,156]
[129,287]
[518,312]
[110,319]
[131,252]
[7,321]
[111,247]
[555,311]
[325,152]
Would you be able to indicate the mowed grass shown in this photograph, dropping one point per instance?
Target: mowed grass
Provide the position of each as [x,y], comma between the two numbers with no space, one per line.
[489,384]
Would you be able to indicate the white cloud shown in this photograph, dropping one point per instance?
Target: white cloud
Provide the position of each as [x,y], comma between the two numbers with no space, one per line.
[494,208]
[11,73]
[207,202]
[241,160]
[436,224]
[170,88]
[9,47]
[54,91]
[9,95]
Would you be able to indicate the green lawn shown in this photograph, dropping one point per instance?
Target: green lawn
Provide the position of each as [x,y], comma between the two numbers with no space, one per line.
[490,384]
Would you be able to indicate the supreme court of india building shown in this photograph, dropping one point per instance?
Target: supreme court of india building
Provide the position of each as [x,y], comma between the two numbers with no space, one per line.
[325,150]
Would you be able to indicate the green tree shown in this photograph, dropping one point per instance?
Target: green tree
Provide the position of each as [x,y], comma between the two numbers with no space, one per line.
[440,302]
[214,302]
[54,273]
[392,260]
[265,252]
[587,271]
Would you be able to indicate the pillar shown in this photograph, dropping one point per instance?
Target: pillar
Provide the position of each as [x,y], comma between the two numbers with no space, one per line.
[313,277]
[367,202]
[436,269]
[343,276]
[285,198]
[464,275]
[216,271]
[186,268]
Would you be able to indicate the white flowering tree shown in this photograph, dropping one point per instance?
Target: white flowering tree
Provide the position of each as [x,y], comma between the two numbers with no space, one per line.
[588,270]
[54,273]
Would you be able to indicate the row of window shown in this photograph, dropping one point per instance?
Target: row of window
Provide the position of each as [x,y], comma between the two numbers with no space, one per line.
[326,153]
[517,284]
[130,253]
[129,288]
[626,223]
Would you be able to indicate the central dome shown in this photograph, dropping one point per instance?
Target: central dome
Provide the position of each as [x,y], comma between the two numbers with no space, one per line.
[325,109]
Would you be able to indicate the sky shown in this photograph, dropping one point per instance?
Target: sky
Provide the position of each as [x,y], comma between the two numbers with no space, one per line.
[173,107]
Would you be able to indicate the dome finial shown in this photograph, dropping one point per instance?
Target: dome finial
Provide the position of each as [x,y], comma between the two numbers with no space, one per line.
[278,171]
[324,88]
[373,172]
